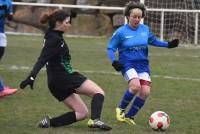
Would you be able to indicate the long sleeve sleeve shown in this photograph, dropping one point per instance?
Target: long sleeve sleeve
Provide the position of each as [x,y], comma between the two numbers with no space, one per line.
[51,47]
[112,46]
[152,40]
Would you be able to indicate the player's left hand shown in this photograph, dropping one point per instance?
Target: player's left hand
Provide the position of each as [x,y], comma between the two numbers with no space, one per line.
[173,43]
[28,81]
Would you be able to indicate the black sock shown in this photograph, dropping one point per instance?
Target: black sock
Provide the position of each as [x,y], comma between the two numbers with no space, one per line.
[65,119]
[96,106]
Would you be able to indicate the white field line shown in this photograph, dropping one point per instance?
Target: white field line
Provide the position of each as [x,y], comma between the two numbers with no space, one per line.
[14,67]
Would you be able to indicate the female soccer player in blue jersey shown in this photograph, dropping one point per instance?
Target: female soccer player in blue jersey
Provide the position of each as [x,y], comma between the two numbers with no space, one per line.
[6,11]
[131,41]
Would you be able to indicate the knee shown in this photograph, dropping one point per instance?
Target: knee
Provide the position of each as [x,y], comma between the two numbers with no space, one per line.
[100,91]
[135,88]
[82,114]
[145,93]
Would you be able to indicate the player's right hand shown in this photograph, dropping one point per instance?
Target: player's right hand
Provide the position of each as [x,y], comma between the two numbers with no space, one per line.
[28,81]
[117,65]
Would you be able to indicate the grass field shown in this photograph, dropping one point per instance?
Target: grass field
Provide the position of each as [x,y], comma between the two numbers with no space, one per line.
[175,88]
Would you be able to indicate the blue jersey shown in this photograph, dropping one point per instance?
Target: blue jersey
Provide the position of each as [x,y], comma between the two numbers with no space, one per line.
[132,45]
[5,8]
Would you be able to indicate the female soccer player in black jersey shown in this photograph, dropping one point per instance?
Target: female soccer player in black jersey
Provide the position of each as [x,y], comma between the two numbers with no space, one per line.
[64,83]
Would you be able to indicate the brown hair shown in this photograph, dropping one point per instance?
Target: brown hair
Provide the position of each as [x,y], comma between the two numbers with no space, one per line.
[51,18]
[131,5]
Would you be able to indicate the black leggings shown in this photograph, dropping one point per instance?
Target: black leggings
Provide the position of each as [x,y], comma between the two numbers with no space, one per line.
[2,49]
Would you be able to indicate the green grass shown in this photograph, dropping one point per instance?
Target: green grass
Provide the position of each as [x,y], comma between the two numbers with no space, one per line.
[177,94]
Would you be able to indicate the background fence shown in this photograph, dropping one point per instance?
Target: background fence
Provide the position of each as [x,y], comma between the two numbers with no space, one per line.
[166,23]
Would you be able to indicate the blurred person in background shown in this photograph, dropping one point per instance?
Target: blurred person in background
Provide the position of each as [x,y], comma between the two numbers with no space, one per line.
[64,83]
[131,41]
[6,12]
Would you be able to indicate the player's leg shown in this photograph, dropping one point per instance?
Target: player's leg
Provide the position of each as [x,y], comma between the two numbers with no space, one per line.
[79,112]
[1,55]
[5,91]
[1,85]
[134,86]
[3,44]
[139,100]
[91,89]
[145,90]
[2,50]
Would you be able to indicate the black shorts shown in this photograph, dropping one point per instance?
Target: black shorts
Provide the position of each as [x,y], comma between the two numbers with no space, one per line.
[62,86]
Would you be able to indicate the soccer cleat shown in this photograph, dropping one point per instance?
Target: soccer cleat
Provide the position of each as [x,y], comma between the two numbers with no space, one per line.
[129,120]
[7,91]
[98,124]
[120,115]
[45,122]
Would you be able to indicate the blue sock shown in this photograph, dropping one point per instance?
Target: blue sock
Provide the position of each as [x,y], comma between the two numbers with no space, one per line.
[136,106]
[126,99]
[1,86]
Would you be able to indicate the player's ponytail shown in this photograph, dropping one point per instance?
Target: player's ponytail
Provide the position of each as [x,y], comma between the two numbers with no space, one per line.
[57,15]
[44,18]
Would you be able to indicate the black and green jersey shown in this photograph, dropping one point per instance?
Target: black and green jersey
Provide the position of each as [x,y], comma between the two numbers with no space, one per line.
[55,54]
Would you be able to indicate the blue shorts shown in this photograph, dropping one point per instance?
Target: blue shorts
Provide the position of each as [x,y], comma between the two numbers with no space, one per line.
[139,66]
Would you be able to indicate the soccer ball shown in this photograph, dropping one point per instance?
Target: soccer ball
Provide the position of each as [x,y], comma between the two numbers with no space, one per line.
[159,121]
